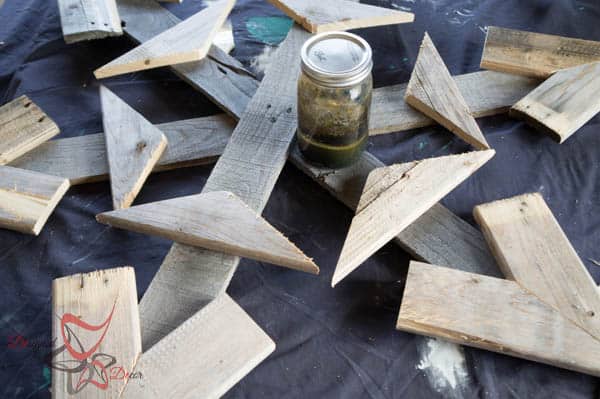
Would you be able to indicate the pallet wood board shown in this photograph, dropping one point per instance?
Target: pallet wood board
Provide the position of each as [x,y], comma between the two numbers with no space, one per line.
[563,103]
[532,249]
[395,196]
[493,314]
[133,147]
[23,126]
[89,19]
[204,357]
[96,329]
[432,91]
[216,220]
[535,54]
[28,198]
[188,41]
[334,15]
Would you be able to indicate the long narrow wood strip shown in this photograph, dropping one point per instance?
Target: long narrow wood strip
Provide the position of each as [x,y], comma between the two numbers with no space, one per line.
[535,54]
[532,249]
[28,198]
[187,41]
[493,314]
[96,327]
[89,19]
[204,357]
[563,103]
[23,126]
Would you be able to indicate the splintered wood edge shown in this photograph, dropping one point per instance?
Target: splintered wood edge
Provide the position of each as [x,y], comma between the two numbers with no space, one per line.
[52,203]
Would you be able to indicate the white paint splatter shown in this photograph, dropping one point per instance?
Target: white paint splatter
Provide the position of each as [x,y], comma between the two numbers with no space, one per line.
[444,365]
[262,62]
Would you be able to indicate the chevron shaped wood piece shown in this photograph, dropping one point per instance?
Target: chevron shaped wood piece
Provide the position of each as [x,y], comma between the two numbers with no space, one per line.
[432,91]
[395,196]
[133,147]
[218,221]
[322,16]
[187,41]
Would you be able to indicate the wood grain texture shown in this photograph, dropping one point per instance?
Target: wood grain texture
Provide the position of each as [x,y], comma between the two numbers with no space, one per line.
[532,249]
[89,19]
[563,103]
[133,147]
[204,357]
[395,197]
[493,314]
[107,301]
[23,126]
[28,198]
[335,15]
[432,91]
[218,221]
[187,41]
[535,54]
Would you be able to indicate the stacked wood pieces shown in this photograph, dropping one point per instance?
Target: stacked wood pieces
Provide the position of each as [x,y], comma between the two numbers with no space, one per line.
[88,19]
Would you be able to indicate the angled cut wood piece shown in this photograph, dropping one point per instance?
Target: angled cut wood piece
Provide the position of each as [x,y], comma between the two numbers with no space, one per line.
[322,16]
[23,126]
[532,249]
[535,54]
[493,314]
[563,103]
[187,41]
[216,220]
[95,321]
[395,196]
[28,198]
[133,147]
[204,357]
[89,19]
[432,91]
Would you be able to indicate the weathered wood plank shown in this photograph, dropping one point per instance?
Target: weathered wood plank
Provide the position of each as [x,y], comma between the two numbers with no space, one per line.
[493,314]
[187,41]
[218,221]
[535,54]
[532,249]
[334,15]
[204,357]
[28,198]
[563,103]
[89,19]
[96,326]
[133,147]
[432,91]
[23,126]
[395,197]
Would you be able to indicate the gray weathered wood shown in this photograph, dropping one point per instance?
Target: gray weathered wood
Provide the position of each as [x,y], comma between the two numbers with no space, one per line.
[89,19]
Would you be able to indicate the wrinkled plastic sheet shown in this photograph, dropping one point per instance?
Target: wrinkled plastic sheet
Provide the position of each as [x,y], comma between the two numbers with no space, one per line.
[331,343]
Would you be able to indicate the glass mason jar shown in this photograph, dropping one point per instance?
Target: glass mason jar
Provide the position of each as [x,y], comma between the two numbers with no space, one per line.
[334,98]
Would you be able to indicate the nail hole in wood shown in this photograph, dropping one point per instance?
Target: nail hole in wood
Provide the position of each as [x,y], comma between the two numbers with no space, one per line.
[268,106]
[41,119]
[591,313]
[26,105]
[123,24]
[147,62]
[93,23]
[289,110]
[273,119]
[140,146]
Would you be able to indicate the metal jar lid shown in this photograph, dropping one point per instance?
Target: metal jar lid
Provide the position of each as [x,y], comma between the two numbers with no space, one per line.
[336,59]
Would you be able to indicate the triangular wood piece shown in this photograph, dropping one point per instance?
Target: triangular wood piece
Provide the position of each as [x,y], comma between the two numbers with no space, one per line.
[28,198]
[187,41]
[318,16]
[432,91]
[532,249]
[218,221]
[396,197]
[133,147]
[493,314]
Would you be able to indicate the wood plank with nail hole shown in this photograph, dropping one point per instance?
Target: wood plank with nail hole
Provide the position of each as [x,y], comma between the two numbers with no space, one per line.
[216,220]
[23,127]
[432,91]
[395,196]
[89,19]
[493,314]
[28,198]
[535,54]
[95,324]
[187,41]
[133,147]
[532,249]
